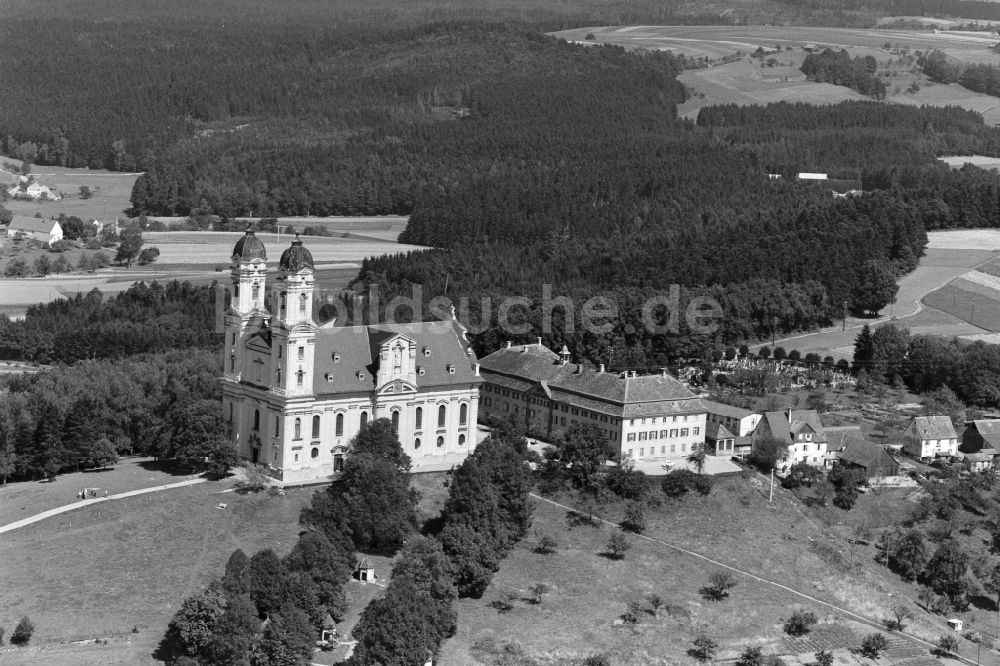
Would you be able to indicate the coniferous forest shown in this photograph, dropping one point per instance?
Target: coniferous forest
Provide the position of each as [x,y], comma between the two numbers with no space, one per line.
[523,160]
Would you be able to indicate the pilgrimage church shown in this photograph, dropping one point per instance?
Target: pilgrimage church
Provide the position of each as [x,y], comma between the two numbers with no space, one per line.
[295,392]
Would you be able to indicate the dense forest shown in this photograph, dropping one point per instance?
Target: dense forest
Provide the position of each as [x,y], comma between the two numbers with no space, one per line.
[144,318]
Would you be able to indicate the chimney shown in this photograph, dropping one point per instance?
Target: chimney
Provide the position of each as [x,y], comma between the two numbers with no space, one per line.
[564,355]
[624,374]
[475,369]
[663,372]
[539,342]
[508,344]
[601,369]
[634,372]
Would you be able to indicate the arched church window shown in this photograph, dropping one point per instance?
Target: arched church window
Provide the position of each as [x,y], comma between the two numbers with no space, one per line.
[315,430]
[298,428]
[256,419]
[299,377]
[364,419]
[441,416]
[463,414]
[340,425]
[419,418]
[302,303]
[395,420]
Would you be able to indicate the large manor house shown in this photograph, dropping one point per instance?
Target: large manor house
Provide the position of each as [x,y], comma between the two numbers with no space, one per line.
[295,392]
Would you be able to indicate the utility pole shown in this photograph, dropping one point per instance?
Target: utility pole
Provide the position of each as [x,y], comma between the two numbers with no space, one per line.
[844,327]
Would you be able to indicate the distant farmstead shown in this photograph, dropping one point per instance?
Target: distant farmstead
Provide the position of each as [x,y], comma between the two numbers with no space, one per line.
[35,228]
[32,190]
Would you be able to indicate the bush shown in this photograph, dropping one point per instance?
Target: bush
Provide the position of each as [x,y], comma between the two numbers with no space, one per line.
[23,632]
[634,520]
[547,545]
[633,612]
[800,623]
[824,658]
[704,647]
[948,643]
[874,645]
[256,479]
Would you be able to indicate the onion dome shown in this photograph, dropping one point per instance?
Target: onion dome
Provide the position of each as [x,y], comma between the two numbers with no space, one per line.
[249,248]
[296,257]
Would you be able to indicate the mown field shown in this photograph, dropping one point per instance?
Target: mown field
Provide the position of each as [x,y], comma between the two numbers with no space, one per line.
[779,541]
[111,192]
[751,81]
[119,570]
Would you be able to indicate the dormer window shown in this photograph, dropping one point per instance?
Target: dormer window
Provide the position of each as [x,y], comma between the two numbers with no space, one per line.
[336,357]
[421,370]
[427,351]
[329,377]
[451,369]
[361,376]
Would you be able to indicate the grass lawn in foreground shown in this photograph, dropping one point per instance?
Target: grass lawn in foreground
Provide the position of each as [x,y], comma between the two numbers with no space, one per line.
[22,499]
[736,525]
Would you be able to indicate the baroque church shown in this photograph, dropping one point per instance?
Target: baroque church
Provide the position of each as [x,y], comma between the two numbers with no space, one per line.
[295,392]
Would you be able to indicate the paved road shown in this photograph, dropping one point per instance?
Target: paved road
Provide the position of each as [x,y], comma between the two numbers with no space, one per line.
[10,527]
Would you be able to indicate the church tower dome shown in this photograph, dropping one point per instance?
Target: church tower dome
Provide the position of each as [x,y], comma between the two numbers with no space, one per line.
[296,257]
[249,248]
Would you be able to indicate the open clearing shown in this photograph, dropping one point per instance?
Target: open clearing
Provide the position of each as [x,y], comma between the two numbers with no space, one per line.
[111,191]
[750,81]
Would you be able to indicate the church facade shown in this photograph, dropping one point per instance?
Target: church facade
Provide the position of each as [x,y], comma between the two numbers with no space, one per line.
[295,392]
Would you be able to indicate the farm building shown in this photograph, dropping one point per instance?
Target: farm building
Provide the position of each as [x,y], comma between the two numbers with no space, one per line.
[872,459]
[981,461]
[801,430]
[812,176]
[647,418]
[840,436]
[35,228]
[32,190]
[981,434]
[737,420]
[930,437]
[295,393]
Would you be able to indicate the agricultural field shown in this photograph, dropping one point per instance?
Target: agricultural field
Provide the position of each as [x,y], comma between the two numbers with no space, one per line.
[196,256]
[732,77]
[949,255]
[782,541]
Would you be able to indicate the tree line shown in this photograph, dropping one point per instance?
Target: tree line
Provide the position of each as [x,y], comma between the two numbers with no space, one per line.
[144,318]
[978,77]
[838,68]
[85,415]
[269,610]
[928,362]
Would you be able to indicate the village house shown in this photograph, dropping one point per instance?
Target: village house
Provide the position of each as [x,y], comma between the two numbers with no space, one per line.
[719,441]
[35,228]
[981,461]
[737,421]
[295,393]
[838,437]
[930,437]
[30,189]
[647,418]
[981,434]
[801,430]
[870,458]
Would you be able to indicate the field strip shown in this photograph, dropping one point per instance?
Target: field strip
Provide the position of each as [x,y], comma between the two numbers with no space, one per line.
[880,625]
[984,279]
[24,522]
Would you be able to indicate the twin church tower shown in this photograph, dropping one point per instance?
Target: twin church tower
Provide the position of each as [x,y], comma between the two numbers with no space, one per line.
[295,392]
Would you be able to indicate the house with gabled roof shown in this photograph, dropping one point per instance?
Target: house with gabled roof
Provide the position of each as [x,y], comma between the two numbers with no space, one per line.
[295,393]
[981,434]
[930,437]
[35,228]
[801,431]
[719,441]
[870,458]
[645,417]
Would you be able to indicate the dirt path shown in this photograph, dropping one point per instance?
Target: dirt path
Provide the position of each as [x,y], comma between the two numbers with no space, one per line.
[30,520]
[880,625]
